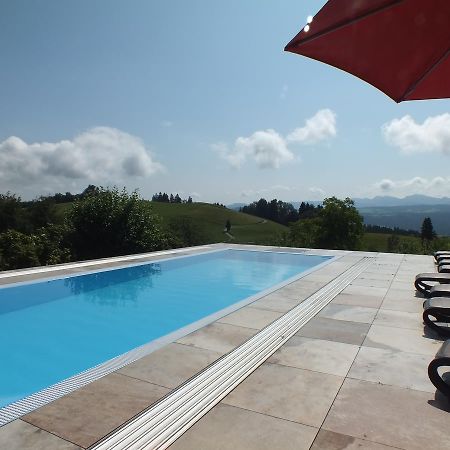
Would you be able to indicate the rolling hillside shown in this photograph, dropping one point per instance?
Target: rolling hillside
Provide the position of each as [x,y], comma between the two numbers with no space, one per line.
[211,219]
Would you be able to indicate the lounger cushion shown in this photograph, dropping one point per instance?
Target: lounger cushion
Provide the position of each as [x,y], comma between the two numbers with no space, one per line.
[437,302]
[443,260]
[440,290]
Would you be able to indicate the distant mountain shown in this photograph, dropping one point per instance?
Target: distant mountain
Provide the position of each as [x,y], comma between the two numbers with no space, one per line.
[410,200]
[408,217]
[379,201]
[236,206]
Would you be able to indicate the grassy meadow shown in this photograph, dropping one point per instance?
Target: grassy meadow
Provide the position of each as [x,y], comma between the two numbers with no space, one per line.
[210,221]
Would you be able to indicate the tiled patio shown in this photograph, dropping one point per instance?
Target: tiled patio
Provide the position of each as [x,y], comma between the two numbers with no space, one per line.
[354,377]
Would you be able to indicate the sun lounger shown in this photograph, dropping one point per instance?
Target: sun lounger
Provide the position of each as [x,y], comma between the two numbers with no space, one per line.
[440,290]
[425,281]
[441,252]
[442,359]
[443,260]
[437,308]
[444,268]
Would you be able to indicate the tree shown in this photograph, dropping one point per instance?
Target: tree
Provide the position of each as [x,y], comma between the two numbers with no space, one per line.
[427,232]
[42,212]
[184,232]
[52,246]
[304,233]
[340,225]
[393,243]
[17,250]
[9,211]
[112,222]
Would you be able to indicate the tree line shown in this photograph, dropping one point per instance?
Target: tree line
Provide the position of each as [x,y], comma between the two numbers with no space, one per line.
[279,211]
[166,198]
[99,223]
[110,222]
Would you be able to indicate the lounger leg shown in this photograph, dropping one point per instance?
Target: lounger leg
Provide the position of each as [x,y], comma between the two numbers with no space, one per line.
[435,378]
[443,331]
[422,287]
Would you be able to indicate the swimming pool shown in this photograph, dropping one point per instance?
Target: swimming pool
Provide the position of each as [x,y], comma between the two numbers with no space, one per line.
[54,329]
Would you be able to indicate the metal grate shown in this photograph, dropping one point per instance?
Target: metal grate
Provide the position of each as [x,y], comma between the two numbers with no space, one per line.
[162,423]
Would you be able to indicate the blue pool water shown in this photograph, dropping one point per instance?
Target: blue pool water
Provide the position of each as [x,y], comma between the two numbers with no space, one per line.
[54,329]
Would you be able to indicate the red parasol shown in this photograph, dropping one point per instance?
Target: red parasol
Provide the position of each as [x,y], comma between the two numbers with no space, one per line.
[401,47]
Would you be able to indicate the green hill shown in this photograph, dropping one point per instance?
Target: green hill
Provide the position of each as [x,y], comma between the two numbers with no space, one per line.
[211,219]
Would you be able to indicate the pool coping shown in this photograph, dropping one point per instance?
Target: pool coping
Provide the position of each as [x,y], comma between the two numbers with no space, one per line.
[40,398]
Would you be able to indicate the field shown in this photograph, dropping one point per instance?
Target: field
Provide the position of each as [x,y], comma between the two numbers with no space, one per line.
[211,219]
[378,242]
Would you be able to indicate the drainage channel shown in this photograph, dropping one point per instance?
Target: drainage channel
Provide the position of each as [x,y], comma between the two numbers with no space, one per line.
[162,423]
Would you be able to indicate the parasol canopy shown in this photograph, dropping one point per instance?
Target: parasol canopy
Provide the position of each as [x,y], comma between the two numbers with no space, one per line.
[402,47]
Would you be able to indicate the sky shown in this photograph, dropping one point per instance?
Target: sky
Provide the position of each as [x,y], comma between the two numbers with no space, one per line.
[199,98]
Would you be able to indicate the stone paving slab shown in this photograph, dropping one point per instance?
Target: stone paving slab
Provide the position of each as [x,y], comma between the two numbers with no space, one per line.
[399,319]
[389,415]
[401,339]
[218,337]
[372,275]
[348,313]
[407,286]
[368,301]
[335,330]
[298,395]
[20,435]
[407,304]
[301,287]
[91,412]
[365,290]
[251,317]
[327,440]
[230,428]
[171,365]
[277,302]
[369,282]
[395,368]
[319,355]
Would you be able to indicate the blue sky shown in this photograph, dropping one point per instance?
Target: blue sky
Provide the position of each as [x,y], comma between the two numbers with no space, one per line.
[199,98]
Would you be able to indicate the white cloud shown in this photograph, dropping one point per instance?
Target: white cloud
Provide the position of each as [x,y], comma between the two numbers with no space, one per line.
[317,192]
[99,155]
[166,123]
[321,126]
[436,187]
[284,91]
[266,148]
[433,135]
[269,149]
[271,190]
